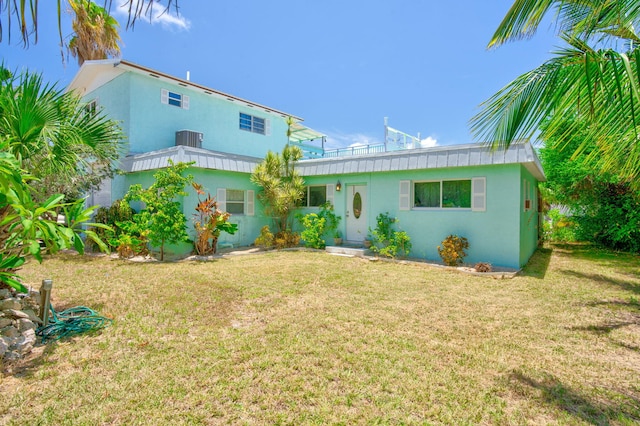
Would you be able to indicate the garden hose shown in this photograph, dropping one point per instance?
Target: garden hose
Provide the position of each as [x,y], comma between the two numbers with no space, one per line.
[70,322]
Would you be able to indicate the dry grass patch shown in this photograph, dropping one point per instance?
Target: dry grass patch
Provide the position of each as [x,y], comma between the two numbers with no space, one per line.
[308,338]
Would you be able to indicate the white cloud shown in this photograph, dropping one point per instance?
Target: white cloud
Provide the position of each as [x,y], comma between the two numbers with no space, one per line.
[159,15]
[428,142]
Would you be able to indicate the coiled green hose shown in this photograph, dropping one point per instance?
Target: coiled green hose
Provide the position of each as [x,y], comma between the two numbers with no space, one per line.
[70,322]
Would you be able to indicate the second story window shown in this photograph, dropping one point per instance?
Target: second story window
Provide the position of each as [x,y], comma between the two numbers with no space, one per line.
[91,108]
[253,124]
[174,98]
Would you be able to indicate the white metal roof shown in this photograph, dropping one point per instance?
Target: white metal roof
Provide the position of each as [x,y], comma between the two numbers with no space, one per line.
[426,158]
[410,159]
[203,158]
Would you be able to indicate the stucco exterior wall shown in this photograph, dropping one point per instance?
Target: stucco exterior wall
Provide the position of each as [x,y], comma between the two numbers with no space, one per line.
[490,232]
[529,220]
[135,101]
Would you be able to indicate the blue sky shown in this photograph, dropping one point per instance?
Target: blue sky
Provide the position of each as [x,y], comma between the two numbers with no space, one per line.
[341,65]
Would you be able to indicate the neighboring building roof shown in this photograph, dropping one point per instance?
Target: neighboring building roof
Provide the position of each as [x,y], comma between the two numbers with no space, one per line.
[426,158]
[203,158]
[93,74]
[411,159]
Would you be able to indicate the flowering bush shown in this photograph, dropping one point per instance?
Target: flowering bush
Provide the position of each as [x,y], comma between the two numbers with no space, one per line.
[452,250]
[209,222]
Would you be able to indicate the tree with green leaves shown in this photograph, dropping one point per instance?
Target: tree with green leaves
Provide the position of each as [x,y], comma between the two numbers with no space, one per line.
[25,15]
[29,228]
[67,148]
[282,186]
[604,208]
[162,214]
[95,32]
[594,80]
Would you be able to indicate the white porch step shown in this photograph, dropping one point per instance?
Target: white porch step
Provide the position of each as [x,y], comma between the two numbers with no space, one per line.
[347,251]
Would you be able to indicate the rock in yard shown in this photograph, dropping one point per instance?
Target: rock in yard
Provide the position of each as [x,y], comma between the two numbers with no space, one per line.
[16,313]
[32,315]
[5,322]
[25,343]
[4,346]
[10,303]
[26,324]
[10,331]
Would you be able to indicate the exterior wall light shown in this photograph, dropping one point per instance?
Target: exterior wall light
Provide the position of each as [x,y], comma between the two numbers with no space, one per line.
[338,186]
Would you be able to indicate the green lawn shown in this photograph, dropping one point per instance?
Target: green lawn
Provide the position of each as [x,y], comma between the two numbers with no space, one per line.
[308,338]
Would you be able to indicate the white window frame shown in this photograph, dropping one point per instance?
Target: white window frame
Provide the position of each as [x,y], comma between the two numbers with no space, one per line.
[478,195]
[91,107]
[167,96]
[257,125]
[249,203]
[329,191]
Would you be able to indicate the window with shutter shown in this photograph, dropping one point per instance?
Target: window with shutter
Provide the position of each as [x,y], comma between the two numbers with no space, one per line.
[479,191]
[405,195]
[250,202]
[221,198]
[331,190]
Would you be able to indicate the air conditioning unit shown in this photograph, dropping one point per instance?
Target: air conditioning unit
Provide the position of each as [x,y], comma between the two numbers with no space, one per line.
[189,138]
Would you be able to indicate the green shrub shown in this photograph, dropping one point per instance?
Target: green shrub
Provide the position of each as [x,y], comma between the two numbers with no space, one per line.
[314,227]
[559,227]
[387,241]
[280,240]
[265,239]
[452,250]
[286,239]
[118,212]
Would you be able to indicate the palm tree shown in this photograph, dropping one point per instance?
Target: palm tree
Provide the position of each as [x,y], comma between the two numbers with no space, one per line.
[96,32]
[54,137]
[593,79]
[26,15]
[282,185]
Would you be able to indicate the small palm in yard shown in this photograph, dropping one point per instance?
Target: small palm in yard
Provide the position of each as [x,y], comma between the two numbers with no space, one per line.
[308,338]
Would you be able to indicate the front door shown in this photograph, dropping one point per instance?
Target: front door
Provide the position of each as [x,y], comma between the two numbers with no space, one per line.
[356,213]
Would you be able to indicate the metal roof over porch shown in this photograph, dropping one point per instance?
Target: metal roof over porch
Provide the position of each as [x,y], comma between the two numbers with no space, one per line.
[426,158]
[203,158]
[412,159]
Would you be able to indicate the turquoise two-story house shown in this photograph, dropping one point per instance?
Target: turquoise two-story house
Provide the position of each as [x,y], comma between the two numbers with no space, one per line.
[491,198]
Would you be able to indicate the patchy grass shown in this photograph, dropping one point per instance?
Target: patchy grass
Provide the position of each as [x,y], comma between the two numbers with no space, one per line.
[308,338]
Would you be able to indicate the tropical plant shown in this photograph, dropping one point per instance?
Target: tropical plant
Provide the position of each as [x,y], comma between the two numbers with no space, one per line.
[265,239]
[209,222]
[25,14]
[282,186]
[331,219]
[603,208]
[132,239]
[559,227]
[96,32]
[119,211]
[162,214]
[452,250]
[51,134]
[316,225]
[388,241]
[313,227]
[381,234]
[28,228]
[593,79]
[286,239]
